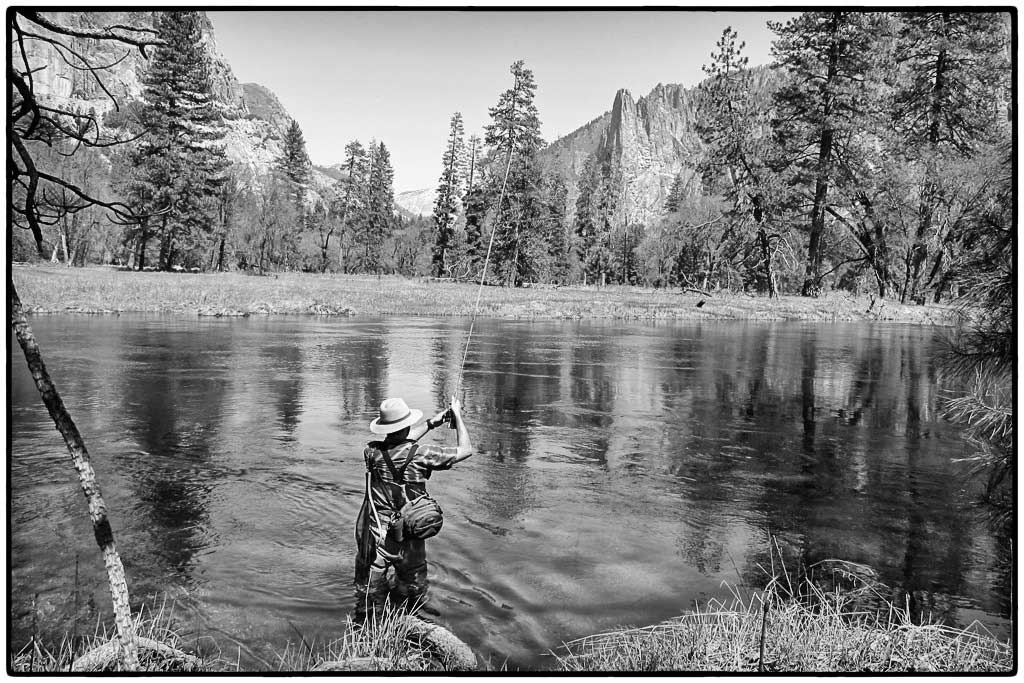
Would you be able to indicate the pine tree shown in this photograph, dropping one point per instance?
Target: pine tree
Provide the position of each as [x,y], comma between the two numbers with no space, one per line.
[449,195]
[734,126]
[514,139]
[954,71]
[475,206]
[473,163]
[350,199]
[556,234]
[294,164]
[474,203]
[380,209]
[596,206]
[826,55]
[180,156]
[676,193]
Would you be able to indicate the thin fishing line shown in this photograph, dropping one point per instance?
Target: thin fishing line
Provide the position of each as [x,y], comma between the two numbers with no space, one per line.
[483,274]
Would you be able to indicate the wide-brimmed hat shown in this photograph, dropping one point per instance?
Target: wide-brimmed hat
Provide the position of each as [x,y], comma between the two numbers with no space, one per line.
[394,415]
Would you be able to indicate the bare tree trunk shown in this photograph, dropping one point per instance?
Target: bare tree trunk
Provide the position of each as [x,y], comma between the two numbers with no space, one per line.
[64,243]
[141,260]
[220,253]
[87,478]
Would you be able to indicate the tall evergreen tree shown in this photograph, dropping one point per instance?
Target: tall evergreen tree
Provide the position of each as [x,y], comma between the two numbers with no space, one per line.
[380,209]
[350,200]
[474,203]
[735,128]
[953,72]
[295,165]
[180,156]
[826,55]
[676,193]
[473,167]
[556,230]
[514,140]
[475,206]
[449,194]
[596,207]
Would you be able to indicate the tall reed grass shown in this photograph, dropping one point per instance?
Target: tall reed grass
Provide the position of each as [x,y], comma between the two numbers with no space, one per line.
[792,628]
[158,628]
[386,641]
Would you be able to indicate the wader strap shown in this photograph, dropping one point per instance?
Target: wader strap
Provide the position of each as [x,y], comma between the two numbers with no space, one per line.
[399,476]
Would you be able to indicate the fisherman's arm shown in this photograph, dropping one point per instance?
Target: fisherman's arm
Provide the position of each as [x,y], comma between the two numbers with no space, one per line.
[463,444]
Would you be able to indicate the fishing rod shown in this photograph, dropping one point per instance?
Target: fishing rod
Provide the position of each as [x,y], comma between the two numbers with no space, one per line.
[483,274]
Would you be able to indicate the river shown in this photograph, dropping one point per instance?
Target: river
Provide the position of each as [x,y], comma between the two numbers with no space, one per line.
[622,473]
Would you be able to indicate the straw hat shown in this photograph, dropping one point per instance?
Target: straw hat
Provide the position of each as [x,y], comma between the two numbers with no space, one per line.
[394,415]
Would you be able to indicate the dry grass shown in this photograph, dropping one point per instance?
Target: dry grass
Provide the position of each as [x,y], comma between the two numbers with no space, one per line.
[385,642]
[37,657]
[791,629]
[50,288]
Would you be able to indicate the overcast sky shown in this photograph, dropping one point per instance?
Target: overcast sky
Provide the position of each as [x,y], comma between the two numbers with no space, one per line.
[398,76]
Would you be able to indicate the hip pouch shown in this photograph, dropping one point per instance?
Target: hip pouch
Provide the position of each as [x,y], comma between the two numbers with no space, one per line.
[421,518]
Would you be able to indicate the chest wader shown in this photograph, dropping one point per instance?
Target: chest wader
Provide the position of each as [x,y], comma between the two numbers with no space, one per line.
[380,545]
[411,566]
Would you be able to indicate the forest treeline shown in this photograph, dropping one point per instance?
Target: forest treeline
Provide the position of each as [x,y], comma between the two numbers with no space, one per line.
[873,155]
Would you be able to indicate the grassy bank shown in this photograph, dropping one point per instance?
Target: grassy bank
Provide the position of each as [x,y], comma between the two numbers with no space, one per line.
[389,642]
[774,630]
[49,288]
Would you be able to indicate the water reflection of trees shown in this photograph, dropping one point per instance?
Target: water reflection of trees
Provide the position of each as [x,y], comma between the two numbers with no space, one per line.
[284,367]
[360,369]
[828,439]
[512,378]
[824,438]
[173,409]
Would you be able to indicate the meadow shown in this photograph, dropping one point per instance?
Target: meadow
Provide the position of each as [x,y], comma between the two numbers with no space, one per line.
[49,288]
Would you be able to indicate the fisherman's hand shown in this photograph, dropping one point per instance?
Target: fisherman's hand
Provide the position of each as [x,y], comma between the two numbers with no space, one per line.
[455,413]
[437,420]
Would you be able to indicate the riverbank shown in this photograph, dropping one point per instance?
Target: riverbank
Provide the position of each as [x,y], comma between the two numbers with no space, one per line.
[781,630]
[49,288]
[768,631]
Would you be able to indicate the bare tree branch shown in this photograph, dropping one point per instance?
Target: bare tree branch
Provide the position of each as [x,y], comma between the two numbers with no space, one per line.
[106,33]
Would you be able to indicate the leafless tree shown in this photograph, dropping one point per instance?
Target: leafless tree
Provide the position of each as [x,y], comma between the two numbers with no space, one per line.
[39,197]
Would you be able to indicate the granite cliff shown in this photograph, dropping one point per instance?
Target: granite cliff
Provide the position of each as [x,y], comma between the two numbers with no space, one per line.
[652,139]
[254,117]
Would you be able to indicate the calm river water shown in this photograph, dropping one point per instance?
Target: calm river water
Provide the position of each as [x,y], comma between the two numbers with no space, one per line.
[622,473]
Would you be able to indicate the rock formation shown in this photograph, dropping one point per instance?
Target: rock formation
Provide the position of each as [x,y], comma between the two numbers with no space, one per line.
[652,139]
[254,117]
[414,203]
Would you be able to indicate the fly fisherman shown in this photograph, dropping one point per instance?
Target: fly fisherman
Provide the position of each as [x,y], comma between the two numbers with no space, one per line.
[397,514]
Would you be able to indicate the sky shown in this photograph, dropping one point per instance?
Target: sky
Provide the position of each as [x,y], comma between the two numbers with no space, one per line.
[398,76]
